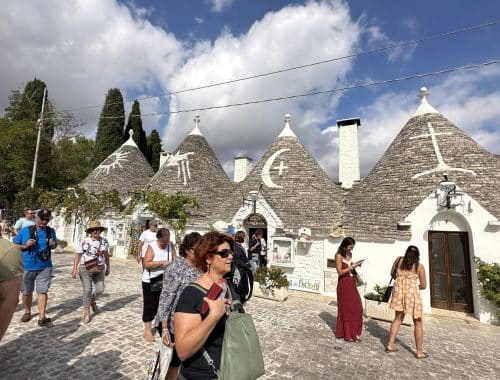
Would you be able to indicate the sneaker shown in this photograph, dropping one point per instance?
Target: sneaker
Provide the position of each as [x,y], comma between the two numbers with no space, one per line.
[26,317]
[44,322]
[86,318]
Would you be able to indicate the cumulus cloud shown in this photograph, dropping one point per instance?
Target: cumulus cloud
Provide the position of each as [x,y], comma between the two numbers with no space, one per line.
[81,48]
[292,36]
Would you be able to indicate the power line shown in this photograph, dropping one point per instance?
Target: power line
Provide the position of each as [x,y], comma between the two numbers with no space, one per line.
[346,88]
[262,75]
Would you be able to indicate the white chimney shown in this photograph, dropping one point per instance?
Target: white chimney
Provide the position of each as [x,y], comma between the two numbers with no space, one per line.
[348,151]
[242,166]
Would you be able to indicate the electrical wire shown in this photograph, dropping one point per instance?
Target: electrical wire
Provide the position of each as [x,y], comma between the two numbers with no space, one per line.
[346,88]
[262,75]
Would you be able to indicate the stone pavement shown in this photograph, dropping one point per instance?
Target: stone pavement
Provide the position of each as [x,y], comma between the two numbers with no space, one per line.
[296,336]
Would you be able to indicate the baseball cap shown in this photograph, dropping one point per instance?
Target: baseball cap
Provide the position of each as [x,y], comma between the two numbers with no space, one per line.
[44,213]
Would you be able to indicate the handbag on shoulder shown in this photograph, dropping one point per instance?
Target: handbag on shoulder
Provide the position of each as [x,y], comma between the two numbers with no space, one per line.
[241,356]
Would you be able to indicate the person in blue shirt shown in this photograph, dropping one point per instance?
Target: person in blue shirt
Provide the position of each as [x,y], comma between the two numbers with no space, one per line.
[36,243]
[27,220]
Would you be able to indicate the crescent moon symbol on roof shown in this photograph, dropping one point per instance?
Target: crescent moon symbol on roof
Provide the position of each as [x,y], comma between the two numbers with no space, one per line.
[266,175]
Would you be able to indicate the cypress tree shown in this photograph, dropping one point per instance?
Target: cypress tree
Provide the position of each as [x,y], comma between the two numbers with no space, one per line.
[135,123]
[109,134]
[154,148]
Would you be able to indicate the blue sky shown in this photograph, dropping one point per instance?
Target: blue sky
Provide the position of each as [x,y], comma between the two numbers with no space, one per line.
[81,48]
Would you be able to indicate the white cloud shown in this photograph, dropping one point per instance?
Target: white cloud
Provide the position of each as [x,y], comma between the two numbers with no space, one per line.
[199,20]
[220,5]
[292,36]
[81,48]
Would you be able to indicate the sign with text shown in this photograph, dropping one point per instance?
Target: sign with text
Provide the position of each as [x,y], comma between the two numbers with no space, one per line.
[305,284]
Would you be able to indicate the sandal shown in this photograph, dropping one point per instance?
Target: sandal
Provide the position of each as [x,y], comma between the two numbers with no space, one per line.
[389,350]
[26,317]
[423,356]
[44,322]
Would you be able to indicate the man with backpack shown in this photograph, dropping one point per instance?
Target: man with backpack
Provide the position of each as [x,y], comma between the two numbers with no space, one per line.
[242,269]
[36,243]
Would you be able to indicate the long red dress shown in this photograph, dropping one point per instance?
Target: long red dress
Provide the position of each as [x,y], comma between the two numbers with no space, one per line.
[350,309]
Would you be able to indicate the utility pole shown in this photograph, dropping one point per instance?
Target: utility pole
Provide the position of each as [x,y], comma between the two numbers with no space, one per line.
[40,126]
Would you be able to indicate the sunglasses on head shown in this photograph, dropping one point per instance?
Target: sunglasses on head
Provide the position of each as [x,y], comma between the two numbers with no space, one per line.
[223,253]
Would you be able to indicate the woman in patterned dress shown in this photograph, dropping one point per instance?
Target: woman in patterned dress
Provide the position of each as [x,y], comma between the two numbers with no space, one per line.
[406,298]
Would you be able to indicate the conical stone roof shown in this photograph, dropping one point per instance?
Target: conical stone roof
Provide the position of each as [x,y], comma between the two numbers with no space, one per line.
[428,147]
[293,184]
[126,170]
[193,169]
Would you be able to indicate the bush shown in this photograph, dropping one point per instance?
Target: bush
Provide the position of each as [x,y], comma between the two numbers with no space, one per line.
[489,279]
[271,278]
[377,294]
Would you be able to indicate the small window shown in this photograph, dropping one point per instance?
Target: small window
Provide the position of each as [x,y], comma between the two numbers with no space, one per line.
[330,263]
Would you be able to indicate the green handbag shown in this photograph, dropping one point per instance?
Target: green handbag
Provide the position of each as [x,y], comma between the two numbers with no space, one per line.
[241,357]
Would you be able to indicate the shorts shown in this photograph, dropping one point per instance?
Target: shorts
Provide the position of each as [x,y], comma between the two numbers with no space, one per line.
[40,277]
[11,260]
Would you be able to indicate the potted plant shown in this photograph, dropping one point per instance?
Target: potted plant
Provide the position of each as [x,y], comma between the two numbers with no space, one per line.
[271,283]
[375,308]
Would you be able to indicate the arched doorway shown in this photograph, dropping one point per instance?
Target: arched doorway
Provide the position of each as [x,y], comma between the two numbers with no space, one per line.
[449,264]
[252,223]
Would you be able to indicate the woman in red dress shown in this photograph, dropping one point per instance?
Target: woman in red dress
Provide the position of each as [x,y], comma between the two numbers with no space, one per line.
[349,308]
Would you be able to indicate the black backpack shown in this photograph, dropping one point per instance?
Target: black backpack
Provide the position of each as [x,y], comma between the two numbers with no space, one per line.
[241,276]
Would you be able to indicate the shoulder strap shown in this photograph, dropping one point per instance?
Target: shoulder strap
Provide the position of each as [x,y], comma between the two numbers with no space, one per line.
[32,230]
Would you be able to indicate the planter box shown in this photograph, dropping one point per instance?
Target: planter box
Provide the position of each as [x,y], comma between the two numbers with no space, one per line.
[381,310]
[280,294]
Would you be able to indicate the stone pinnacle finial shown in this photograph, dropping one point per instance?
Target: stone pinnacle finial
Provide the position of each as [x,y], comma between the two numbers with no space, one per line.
[196,129]
[287,131]
[196,120]
[131,133]
[423,93]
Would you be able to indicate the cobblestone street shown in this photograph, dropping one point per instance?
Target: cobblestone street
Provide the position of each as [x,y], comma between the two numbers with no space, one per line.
[296,336]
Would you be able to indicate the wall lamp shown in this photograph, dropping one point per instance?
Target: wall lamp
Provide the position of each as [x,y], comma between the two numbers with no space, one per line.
[251,199]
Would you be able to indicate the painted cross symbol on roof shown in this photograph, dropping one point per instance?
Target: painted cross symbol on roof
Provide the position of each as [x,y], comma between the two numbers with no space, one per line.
[441,166]
[280,168]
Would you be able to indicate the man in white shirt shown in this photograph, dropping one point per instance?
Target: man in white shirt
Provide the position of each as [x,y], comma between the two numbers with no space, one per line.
[147,237]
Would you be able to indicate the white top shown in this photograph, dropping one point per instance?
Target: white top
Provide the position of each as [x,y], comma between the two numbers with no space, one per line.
[349,263]
[90,248]
[147,237]
[159,255]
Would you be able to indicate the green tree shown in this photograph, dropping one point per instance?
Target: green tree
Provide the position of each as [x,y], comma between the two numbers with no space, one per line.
[110,128]
[154,149]
[74,158]
[79,205]
[135,123]
[174,209]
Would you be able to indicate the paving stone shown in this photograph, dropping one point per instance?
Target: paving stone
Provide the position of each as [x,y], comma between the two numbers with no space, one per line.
[297,339]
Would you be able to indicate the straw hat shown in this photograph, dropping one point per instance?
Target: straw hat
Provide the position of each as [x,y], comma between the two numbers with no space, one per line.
[95,224]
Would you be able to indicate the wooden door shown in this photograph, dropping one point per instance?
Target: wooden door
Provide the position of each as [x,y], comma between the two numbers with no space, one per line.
[449,262]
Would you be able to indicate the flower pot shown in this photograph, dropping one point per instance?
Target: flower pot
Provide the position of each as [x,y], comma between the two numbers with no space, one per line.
[280,294]
[381,310]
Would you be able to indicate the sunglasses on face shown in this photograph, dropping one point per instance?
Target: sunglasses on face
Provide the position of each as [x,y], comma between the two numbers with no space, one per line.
[45,220]
[95,230]
[223,253]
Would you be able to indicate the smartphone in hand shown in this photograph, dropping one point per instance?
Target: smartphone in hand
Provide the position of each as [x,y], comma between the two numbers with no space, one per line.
[213,293]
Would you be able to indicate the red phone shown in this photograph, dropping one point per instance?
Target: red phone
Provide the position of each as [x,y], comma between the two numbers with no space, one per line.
[213,293]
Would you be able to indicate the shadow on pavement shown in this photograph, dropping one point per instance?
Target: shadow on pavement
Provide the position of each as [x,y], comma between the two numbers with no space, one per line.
[330,320]
[374,328]
[51,353]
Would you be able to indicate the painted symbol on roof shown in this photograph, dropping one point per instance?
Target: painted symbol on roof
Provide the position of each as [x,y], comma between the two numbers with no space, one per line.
[181,160]
[119,157]
[441,166]
[266,169]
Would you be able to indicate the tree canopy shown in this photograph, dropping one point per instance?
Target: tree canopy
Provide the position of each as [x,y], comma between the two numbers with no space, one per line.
[154,149]
[135,123]
[109,134]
